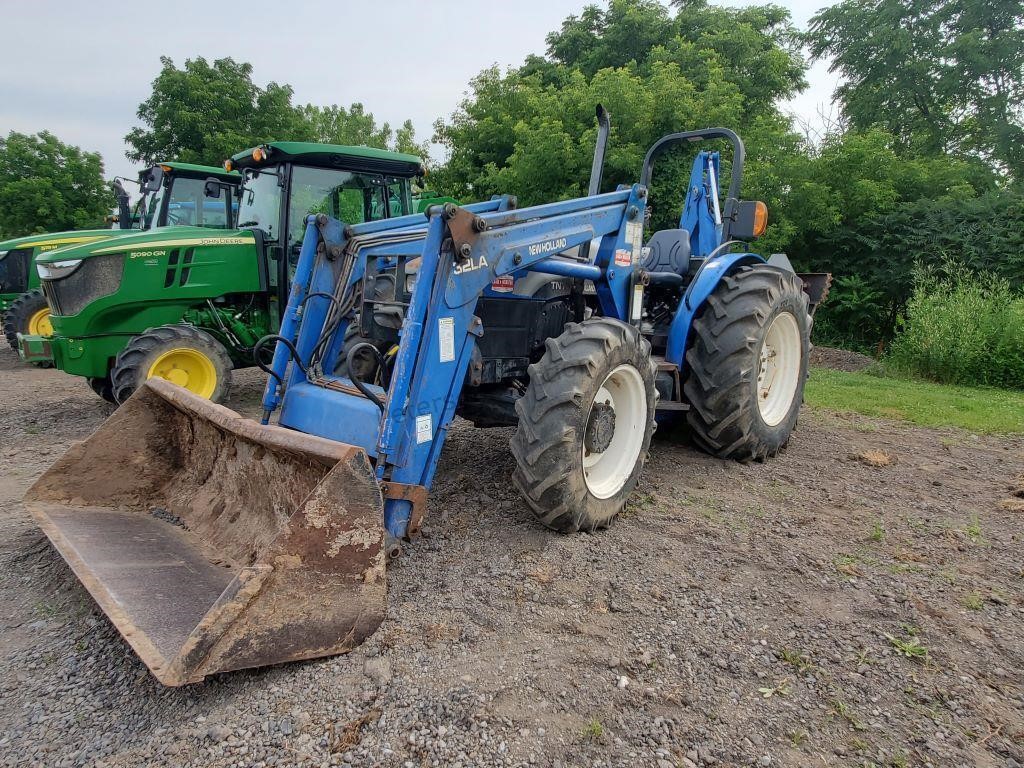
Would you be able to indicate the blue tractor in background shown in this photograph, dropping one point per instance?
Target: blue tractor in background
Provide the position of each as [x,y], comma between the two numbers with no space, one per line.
[227,543]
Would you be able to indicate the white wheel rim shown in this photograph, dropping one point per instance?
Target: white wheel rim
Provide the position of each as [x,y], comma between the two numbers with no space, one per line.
[778,372]
[607,471]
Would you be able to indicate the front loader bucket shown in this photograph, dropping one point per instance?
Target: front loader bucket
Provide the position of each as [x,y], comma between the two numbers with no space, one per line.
[213,543]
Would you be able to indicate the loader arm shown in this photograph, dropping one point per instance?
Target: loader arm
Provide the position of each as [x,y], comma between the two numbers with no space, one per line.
[462,252]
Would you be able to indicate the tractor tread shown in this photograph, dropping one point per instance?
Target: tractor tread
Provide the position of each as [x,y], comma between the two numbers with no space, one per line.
[722,359]
[127,369]
[102,387]
[18,313]
[548,438]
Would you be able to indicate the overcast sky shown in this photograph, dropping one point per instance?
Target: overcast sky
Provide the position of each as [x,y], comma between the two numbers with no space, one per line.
[80,70]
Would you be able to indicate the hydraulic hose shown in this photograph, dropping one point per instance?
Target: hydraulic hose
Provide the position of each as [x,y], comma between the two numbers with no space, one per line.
[258,347]
[367,392]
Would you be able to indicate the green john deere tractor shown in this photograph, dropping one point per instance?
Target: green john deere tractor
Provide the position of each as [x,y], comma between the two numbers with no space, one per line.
[188,305]
[170,192]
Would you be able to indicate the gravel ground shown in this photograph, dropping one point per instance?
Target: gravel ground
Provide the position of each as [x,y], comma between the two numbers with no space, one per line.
[857,601]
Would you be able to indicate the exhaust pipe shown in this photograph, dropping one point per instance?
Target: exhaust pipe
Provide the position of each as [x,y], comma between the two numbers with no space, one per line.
[124,209]
[604,126]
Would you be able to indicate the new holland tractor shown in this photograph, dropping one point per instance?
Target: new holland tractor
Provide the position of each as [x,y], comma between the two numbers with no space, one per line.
[167,192]
[221,543]
[188,305]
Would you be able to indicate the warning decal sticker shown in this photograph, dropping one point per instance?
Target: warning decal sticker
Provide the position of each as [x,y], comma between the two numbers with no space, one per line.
[503,284]
[446,334]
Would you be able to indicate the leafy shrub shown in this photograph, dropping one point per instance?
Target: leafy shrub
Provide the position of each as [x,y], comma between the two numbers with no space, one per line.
[854,316]
[872,258]
[961,327]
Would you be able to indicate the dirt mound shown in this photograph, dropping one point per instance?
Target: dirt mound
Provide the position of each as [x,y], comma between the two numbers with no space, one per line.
[840,359]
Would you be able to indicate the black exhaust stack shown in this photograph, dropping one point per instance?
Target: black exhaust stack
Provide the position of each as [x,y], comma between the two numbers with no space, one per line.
[124,208]
[604,125]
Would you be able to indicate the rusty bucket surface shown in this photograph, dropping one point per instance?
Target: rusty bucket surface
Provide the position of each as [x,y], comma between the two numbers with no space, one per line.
[213,543]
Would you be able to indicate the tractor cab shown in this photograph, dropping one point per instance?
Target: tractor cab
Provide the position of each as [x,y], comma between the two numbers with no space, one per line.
[284,182]
[181,194]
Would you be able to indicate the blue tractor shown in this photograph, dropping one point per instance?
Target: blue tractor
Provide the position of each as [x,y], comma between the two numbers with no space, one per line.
[222,543]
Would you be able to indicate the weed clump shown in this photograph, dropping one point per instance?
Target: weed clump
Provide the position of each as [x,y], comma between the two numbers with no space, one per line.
[961,328]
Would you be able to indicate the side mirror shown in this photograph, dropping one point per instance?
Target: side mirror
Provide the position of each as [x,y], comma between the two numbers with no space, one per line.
[212,188]
[748,219]
[151,179]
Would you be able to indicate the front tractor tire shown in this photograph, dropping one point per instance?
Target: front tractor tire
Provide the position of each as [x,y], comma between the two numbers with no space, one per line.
[747,364]
[181,354]
[27,314]
[585,425]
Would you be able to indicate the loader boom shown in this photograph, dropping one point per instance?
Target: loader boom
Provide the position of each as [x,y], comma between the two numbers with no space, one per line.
[462,254]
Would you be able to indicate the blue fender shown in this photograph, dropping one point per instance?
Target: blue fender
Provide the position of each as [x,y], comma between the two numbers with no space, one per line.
[707,279]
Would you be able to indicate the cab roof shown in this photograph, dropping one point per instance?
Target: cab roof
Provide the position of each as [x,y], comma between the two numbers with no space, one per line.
[192,169]
[369,159]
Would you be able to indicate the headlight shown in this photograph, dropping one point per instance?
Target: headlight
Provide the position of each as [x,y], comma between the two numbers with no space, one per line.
[55,270]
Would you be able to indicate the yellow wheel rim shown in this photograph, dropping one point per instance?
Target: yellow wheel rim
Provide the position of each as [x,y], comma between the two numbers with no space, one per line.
[39,324]
[188,368]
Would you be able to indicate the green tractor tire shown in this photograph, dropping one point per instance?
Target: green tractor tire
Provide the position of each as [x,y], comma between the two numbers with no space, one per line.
[102,387]
[181,354]
[28,314]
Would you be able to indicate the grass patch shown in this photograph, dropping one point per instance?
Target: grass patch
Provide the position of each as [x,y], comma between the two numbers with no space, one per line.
[976,409]
[961,328]
[973,602]
[877,533]
[593,731]
[910,647]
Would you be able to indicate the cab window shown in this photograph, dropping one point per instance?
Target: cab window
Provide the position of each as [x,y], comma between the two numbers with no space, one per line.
[350,197]
[188,205]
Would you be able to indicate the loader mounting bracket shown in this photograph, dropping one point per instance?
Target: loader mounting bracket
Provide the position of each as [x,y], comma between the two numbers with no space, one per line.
[416,495]
[464,227]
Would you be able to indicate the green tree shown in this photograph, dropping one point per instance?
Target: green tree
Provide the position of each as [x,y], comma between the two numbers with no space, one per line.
[940,75]
[357,127]
[858,209]
[47,186]
[530,131]
[204,113]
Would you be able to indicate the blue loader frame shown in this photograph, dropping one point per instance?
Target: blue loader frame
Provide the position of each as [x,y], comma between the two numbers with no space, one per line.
[462,251]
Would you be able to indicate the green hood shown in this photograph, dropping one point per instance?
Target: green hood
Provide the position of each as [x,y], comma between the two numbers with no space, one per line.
[152,239]
[60,239]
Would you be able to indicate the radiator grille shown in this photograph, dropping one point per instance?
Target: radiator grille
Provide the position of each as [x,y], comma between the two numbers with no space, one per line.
[98,276]
[14,270]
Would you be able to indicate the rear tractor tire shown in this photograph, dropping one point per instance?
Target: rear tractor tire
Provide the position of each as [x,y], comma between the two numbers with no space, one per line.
[747,364]
[585,425]
[181,354]
[364,364]
[27,314]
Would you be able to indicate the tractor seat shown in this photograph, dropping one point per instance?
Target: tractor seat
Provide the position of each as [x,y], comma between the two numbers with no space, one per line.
[667,251]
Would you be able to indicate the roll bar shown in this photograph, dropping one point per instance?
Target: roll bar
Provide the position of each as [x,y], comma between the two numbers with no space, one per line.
[739,154]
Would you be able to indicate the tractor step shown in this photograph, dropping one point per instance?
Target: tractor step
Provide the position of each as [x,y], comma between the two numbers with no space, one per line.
[213,543]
